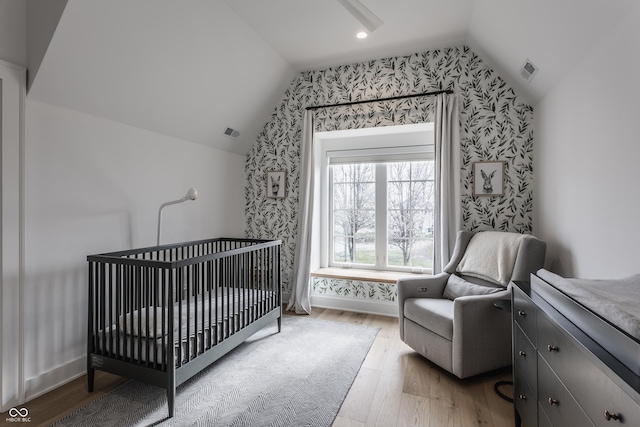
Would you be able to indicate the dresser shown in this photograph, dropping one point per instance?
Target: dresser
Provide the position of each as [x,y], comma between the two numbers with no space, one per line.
[562,376]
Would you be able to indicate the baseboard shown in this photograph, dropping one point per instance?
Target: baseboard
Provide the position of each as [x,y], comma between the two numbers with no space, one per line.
[50,380]
[356,305]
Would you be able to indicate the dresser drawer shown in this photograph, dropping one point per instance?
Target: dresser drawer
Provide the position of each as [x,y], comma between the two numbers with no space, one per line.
[556,401]
[525,401]
[592,387]
[524,313]
[524,358]
[542,417]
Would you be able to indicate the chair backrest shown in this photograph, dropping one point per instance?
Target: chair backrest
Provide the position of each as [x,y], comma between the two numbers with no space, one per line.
[529,259]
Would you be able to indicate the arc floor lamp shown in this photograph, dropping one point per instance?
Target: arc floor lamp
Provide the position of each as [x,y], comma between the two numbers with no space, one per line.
[192,194]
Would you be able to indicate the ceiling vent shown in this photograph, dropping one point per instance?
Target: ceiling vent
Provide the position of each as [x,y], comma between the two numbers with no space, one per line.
[231,133]
[528,70]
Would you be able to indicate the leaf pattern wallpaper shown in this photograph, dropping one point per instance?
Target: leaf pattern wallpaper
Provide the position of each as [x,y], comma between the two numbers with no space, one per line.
[373,291]
[495,125]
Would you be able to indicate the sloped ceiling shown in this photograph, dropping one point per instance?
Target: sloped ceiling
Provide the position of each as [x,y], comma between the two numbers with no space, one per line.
[318,34]
[554,35]
[189,69]
[186,69]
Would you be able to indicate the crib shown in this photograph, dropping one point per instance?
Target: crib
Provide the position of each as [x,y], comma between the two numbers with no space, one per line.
[162,314]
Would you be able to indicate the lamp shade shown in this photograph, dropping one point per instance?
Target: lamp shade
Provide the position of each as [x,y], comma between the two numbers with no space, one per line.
[192,194]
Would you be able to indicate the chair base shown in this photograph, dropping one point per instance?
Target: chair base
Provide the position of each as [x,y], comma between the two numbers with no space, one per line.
[439,350]
[428,344]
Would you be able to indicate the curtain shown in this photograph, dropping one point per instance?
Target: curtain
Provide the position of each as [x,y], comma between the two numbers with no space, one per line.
[299,300]
[448,217]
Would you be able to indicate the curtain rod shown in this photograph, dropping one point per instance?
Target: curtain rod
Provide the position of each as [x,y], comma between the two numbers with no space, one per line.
[393,98]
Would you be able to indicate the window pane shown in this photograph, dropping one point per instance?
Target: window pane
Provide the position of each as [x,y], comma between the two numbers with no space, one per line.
[365,250]
[341,222]
[410,214]
[419,190]
[366,195]
[343,196]
[353,213]
[340,249]
[422,254]
[417,253]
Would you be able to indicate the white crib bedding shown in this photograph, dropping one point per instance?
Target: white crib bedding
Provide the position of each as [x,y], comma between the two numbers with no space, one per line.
[233,312]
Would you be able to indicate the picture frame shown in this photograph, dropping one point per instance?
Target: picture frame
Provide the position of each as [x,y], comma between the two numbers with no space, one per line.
[276,184]
[488,178]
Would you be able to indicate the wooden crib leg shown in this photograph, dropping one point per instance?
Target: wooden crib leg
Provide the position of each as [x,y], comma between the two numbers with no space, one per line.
[171,385]
[279,324]
[90,378]
[171,400]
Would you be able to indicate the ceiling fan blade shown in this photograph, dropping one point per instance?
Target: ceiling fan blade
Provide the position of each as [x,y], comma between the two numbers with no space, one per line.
[362,14]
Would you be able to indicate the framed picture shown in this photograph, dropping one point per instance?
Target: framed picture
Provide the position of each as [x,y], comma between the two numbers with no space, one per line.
[488,178]
[276,184]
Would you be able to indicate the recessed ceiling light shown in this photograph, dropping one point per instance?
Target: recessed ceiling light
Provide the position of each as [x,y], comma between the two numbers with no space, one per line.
[362,35]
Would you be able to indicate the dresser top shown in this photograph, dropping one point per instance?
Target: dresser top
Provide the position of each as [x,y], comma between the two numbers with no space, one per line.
[594,336]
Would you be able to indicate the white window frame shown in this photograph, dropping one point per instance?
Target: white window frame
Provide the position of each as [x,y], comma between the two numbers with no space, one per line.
[375,145]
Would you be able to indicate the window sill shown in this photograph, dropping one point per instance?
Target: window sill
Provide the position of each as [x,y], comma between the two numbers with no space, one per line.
[363,275]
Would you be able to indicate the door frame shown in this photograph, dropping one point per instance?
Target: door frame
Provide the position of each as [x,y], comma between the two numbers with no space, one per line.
[12,125]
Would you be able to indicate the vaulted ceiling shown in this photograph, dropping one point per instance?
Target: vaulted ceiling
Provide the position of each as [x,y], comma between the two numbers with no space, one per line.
[191,68]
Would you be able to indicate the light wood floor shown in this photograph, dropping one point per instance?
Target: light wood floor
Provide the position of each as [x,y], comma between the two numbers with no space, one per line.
[398,387]
[395,387]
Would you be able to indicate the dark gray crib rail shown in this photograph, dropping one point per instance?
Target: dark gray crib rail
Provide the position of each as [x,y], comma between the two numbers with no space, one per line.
[134,294]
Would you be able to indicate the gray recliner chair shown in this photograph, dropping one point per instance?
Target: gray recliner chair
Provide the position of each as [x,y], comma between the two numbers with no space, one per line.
[450,319]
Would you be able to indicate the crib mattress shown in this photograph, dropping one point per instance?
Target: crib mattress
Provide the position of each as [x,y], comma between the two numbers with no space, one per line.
[222,317]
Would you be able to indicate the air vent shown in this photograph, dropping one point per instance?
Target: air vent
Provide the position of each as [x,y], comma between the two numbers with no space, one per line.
[231,133]
[528,70]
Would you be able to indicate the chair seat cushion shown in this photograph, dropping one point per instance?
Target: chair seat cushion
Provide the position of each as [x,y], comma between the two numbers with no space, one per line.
[434,314]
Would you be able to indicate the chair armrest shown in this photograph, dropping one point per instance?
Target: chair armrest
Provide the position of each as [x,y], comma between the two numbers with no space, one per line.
[418,287]
[422,287]
[479,326]
[464,301]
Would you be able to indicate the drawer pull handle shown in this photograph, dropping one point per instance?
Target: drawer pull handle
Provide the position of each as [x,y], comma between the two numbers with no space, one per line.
[553,401]
[552,348]
[521,313]
[523,397]
[611,416]
[522,353]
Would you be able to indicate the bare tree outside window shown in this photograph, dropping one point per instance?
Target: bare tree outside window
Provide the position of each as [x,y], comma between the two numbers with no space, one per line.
[409,188]
[353,212]
[410,213]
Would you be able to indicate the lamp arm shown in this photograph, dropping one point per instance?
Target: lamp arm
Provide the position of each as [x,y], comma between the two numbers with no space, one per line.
[174,202]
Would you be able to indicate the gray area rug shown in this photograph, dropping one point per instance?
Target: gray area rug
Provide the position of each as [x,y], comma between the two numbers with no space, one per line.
[298,377]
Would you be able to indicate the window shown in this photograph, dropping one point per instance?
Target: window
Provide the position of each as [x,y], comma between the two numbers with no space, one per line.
[382,215]
[378,202]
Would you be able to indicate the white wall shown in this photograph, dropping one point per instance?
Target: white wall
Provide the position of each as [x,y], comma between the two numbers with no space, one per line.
[587,154]
[13,31]
[91,186]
